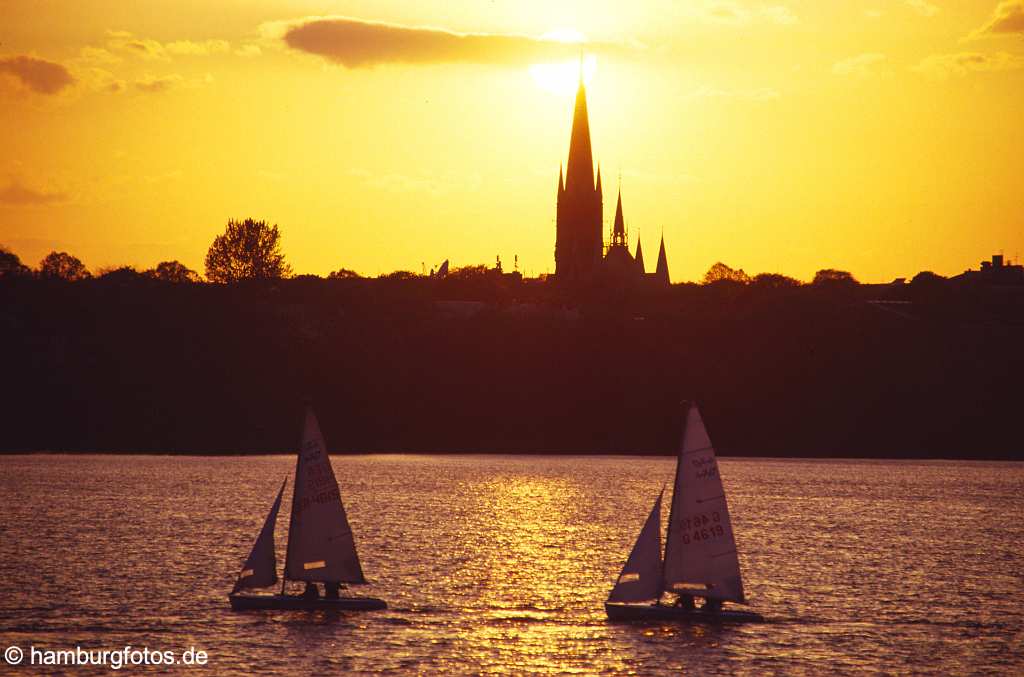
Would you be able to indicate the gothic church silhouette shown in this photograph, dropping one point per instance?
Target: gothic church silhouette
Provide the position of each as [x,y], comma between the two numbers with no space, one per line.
[580,253]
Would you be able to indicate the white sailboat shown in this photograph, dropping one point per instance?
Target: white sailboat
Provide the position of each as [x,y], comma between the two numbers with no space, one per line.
[700,552]
[321,547]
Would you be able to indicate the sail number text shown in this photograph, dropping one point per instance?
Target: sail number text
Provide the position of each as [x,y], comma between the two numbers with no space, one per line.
[705,468]
[321,487]
[325,496]
[699,527]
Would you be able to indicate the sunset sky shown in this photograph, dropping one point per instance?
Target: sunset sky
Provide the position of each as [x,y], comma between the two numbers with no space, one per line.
[883,137]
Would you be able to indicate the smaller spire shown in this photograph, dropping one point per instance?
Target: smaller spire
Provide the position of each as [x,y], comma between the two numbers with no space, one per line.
[662,270]
[639,256]
[619,231]
[561,185]
[598,178]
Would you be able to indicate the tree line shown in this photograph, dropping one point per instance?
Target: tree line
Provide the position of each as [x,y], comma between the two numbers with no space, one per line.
[478,361]
[251,250]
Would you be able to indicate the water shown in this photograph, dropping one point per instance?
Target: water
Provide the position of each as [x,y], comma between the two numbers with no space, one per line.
[502,563]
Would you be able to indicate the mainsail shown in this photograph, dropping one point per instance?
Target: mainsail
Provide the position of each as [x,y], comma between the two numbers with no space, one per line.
[260,568]
[700,551]
[320,542]
[640,579]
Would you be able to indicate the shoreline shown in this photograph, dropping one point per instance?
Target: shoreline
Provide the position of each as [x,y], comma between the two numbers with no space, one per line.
[1018,458]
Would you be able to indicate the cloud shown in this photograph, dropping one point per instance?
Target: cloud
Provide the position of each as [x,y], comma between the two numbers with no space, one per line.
[39,75]
[860,66]
[923,7]
[100,80]
[155,85]
[147,48]
[98,56]
[1007,19]
[17,194]
[942,66]
[249,50]
[355,43]
[190,48]
[760,95]
[164,83]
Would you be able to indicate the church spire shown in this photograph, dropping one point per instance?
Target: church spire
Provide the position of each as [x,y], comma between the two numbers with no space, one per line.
[579,171]
[598,189]
[640,257]
[619,229]
[561,186]
[661,272]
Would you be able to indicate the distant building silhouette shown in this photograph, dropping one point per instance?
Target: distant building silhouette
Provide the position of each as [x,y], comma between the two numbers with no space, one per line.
[996,271]
[580,252]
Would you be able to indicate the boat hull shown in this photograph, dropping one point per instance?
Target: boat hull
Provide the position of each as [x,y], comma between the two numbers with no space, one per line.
[660,612]
[300,603]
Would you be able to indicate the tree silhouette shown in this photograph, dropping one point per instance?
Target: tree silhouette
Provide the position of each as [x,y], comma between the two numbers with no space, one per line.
[927,278]
[173,271]
[398,276]
[62,266]
[120,275]
[775,281]
[11,265]
[477,272]
[343,274]
[248,250]
[835,278]
[720,272]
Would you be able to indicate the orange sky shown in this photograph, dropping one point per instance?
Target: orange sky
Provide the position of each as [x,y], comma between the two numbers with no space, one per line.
[881,137]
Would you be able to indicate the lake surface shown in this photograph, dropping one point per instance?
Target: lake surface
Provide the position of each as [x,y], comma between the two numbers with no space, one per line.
[502,563]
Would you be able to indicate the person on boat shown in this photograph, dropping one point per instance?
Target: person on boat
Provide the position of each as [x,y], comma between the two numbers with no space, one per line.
[685,602]
[711,606]
[311,591]
[331,589]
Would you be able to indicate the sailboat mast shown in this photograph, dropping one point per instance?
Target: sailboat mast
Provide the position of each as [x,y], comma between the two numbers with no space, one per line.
[291,517]
[675,489]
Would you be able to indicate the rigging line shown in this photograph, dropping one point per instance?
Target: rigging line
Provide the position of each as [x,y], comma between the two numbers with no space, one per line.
[695,451]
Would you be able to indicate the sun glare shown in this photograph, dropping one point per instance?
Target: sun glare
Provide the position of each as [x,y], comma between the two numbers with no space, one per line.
[562,77]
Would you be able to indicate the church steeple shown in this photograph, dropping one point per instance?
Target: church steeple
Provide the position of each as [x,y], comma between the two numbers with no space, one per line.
[661,272]
[579,228]
[598,189]
[619,229]
[640,257]
[579,171]
[561,186]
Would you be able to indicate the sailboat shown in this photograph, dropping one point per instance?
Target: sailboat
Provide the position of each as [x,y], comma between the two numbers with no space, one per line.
[321,546]
[700,557]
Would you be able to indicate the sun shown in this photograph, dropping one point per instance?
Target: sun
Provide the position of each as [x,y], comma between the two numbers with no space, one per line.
[563,77]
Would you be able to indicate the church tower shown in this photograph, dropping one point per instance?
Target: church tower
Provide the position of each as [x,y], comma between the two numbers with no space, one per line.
[578,237]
